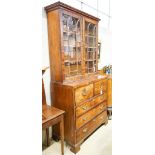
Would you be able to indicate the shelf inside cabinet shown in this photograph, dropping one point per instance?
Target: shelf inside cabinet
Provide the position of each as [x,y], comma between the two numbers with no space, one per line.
[72,61]
[71,32]
[92,36]
[90,46]
[90,60]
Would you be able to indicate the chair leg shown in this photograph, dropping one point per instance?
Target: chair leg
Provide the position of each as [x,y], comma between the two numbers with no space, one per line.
[47,136]
[62,134]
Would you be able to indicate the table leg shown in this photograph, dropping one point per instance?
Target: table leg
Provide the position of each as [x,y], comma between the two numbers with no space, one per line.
[62,134]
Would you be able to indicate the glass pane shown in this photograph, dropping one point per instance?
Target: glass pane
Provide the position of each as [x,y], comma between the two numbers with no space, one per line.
[90,47]
[72,45]
[71,39]
[78,52]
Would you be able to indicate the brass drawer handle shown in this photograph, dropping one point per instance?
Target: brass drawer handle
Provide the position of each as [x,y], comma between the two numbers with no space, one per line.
[84,107]
[101,107]
[85,130]
[84,92]
[84,119]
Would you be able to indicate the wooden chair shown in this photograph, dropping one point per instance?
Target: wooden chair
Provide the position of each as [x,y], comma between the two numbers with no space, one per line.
[51,116]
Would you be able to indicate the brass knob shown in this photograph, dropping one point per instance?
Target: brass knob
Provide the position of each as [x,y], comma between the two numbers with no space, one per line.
[85,130]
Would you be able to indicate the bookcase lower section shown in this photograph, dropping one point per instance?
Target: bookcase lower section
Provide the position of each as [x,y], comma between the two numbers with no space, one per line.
[84,132]
[85,104]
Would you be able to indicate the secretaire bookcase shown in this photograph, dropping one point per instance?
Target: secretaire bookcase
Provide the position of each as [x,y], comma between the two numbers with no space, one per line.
[76,87]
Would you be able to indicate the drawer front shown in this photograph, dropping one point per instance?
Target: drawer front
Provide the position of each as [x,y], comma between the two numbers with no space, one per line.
[100,87]
[90,127]
[83,93]
[90,114]
[90,104]
[100,98]
[84,107]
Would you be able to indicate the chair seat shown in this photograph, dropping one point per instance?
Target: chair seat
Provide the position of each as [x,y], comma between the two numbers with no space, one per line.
[50,112]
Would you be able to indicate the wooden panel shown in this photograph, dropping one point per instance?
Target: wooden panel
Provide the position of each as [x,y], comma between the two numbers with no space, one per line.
[82,120]
[83,93]
[54,45]
[110,92]
[63,99]
[91,126]
[100,87]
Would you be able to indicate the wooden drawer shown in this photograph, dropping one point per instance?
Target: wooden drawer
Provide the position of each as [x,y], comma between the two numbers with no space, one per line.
[90,104]
[90,115]
[91,126]
[100,87]
[83,93]
[84,107]
[100,98]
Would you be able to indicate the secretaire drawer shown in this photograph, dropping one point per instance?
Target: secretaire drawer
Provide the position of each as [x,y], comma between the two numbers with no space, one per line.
[100,87]
[91,126]
[83,93]
[90,115]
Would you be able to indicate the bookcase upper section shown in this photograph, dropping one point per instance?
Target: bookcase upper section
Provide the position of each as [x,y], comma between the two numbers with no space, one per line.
[73,42]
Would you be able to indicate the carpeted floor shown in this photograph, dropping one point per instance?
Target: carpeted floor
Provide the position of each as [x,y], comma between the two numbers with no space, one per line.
[99,143]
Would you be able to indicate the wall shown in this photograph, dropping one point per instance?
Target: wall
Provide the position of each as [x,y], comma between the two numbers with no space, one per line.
[104,35]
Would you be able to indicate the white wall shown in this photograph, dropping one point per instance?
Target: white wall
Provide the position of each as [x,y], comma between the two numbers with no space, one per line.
[104,35]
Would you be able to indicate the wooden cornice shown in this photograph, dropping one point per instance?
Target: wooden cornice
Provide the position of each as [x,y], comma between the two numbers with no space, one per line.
[60,5]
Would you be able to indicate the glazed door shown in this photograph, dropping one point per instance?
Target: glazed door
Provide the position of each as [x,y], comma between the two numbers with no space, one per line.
[71,44]
[91,46]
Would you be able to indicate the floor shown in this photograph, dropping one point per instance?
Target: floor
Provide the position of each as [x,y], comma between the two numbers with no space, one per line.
[99,143]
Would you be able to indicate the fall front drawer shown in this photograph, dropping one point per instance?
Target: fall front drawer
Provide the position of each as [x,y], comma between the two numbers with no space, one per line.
[91,126]
[90,104]
[82,120]
[100,87]
[83,93]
